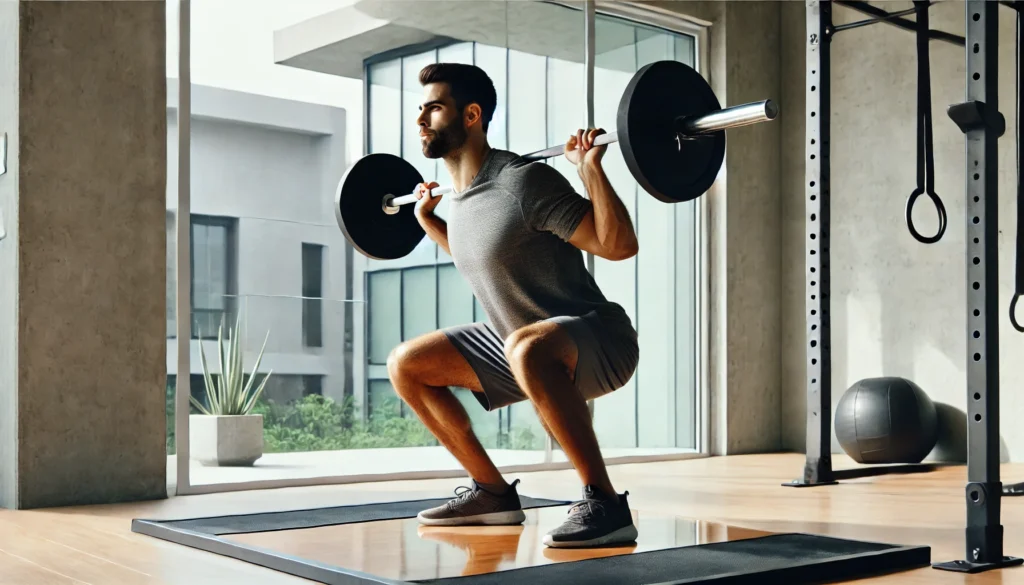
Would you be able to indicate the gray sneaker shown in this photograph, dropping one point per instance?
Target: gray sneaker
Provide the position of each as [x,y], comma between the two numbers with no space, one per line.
[476,506]
[596,520]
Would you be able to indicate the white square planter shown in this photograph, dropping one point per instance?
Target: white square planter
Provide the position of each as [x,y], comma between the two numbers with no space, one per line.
[226,440]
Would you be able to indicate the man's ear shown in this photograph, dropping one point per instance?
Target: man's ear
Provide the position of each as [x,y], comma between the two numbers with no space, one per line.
[472,114]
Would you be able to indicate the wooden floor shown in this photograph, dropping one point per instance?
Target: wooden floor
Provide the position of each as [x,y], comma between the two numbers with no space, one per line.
[714,499]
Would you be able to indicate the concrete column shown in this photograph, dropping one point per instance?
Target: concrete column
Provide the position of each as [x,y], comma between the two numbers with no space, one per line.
[744,229]
[752,216]
[82,275]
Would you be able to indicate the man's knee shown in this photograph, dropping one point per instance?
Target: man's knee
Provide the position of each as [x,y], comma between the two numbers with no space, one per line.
[535,346]
[429,360]
[523,348]
[401,363]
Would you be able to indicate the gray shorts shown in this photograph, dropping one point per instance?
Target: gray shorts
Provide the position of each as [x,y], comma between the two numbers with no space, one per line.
[608,357]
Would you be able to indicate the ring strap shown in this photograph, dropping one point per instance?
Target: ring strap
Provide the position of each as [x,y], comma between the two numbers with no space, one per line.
[1019,275]
[925,151]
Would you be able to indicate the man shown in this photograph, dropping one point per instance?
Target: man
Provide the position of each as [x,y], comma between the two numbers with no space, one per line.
[515,232]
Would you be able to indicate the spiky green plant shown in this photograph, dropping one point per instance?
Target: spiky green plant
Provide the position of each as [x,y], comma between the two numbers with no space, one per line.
[230,394]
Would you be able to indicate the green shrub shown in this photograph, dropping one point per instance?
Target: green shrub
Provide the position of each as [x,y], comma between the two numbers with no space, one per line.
[317,423]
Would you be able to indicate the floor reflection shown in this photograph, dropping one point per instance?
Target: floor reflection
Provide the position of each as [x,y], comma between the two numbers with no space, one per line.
[403,549]
[488,548]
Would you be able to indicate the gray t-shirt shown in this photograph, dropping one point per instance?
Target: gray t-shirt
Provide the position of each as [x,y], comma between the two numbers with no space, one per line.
[508,233]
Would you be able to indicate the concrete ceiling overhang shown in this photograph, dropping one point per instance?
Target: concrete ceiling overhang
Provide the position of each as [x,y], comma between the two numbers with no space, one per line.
[338,42]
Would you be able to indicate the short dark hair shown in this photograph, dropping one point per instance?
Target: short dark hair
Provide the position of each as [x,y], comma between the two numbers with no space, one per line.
[468,84]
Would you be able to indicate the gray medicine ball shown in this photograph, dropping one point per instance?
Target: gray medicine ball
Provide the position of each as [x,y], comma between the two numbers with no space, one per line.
[886,420]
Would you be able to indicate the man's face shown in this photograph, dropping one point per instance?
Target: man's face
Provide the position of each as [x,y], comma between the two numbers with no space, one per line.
[442,129]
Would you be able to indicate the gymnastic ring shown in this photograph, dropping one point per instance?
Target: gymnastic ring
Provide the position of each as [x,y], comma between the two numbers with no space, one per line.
[1013,313]
[939,207]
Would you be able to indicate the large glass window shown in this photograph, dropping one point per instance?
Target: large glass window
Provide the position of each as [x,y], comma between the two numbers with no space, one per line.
[385,320]
[455,301]
[527,101]
[269,140]
[657,408]
[385,100]
[267,145]
[431,291]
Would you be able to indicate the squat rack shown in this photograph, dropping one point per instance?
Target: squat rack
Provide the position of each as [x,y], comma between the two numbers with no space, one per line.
[979,119]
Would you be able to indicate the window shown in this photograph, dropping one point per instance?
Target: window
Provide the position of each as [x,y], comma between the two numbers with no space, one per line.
[454,298]
[312,294]
[419,301]
[385,315]
[261,161]
[213,247]
[658,287]
[249,187]
[409,302]
[424,291]
[313,384]
[213,241]
[432,297]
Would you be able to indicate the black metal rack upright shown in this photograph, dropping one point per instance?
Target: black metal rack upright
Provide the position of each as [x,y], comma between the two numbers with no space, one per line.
[979,118]
[818,469]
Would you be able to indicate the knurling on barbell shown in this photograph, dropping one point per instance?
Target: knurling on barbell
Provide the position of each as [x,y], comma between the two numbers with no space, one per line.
[670,128]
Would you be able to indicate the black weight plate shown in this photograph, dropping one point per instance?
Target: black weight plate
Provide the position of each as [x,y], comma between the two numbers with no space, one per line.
[359,207]
[656,96]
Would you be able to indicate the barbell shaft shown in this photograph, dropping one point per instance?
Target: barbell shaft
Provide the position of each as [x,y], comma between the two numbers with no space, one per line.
[729,118]
[721,120]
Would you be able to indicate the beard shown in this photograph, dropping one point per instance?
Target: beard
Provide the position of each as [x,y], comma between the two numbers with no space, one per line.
[444,141]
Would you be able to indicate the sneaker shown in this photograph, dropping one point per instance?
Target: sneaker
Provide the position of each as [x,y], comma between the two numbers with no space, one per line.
[476,506]
[596,520]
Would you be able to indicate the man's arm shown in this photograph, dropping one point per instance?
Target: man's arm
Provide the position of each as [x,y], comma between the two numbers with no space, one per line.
[607,230]
[436,228]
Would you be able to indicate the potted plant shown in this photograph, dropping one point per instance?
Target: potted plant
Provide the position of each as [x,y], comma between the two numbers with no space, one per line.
[226,433]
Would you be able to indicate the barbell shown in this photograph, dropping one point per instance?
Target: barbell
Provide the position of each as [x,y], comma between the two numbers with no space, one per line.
[670,128]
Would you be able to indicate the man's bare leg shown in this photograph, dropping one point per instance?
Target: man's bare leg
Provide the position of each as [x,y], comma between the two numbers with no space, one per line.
[421,371]
[543,357]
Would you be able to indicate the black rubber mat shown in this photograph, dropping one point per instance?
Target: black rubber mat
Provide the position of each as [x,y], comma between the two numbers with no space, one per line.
[295,519]
[783,558]
[792,559]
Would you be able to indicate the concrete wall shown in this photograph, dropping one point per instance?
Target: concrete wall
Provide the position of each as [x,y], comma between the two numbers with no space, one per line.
[744,229]
[90,245]
[898,306]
